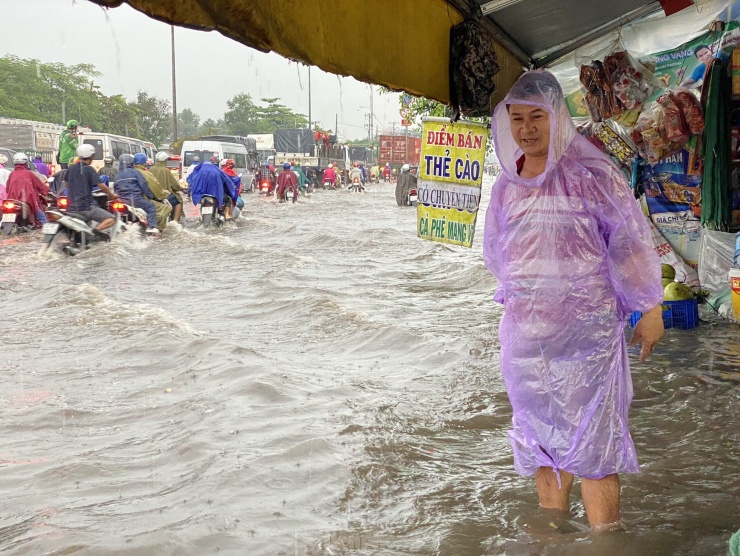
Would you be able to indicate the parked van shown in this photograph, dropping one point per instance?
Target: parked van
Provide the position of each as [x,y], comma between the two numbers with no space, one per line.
[114,145]
[205,150]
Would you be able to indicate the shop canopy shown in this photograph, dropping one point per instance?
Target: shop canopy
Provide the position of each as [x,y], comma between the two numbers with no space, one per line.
[401,44]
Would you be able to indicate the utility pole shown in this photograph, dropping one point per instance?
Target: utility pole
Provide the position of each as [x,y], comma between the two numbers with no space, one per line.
[371,114]
[310,126]
[336,126]
[174,89]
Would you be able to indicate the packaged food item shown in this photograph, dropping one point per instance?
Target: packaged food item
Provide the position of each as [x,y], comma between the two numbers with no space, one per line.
[676,129]
[691,110]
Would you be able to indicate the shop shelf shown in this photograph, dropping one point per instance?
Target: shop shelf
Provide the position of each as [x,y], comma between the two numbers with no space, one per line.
[676,314]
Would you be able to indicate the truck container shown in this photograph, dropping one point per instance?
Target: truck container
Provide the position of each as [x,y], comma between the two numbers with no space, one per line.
[399,149]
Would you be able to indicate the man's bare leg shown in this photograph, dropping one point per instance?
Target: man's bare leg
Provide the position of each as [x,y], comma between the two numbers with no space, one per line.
[551,494]
[601,499]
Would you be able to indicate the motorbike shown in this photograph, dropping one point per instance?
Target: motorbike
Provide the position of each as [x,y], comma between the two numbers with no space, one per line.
[411,197]
[266,188]
[16,217]
[356,186]
[210,214]
[289,193]
[71,232]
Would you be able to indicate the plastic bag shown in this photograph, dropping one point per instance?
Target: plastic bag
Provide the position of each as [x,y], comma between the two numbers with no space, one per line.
[631,83]
[674,124]
[692,112]
[649,135]
[715,260]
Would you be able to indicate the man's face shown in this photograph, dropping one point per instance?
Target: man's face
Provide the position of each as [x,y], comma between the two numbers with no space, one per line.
[704,56]
[530,127]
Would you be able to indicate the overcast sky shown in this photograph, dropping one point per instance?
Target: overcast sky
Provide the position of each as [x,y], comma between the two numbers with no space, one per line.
[133,52]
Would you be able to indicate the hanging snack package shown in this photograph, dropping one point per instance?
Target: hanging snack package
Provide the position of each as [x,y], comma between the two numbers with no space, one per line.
[691,109]
[631,85]
[599,98]
[615,144]
[654,144]
[676,128]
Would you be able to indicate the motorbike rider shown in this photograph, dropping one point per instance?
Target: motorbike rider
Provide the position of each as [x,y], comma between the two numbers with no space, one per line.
[41,166]
[267,174]
[81,180]
[160,193]
[302,179]
[227,167]
[24,186]
[387,172]
[330,175]
[406,181]
[193,165]
[364,172]
[68,144]
[310,178]
[39,175]
[108,169]
[208,179]
[355,172]
[169,183]
[286,179]
[131,186]
[339,173]
[374,172]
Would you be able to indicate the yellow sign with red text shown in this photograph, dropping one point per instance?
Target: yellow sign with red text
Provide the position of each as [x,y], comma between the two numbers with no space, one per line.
[450,175]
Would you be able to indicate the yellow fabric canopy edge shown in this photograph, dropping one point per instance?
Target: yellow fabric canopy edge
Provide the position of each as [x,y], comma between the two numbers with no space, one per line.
[400,44]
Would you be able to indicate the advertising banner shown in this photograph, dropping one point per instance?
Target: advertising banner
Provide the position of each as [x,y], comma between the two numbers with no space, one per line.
[673,195]
[686,65]
[449,184]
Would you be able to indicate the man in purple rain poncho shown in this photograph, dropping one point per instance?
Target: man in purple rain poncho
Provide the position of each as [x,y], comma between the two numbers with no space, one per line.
[573,255]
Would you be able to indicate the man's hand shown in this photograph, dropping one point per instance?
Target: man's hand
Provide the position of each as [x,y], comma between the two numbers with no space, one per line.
[649,331]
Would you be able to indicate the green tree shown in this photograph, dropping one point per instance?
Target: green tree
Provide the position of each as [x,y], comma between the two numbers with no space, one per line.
[212,127]
[154,118]
[48,92]
[241,118]
[117,115]
[278,116]
[188,123]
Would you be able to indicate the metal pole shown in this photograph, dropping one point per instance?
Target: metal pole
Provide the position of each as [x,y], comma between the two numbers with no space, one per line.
[371,114]
[174,89]
[406,158]
[310,126]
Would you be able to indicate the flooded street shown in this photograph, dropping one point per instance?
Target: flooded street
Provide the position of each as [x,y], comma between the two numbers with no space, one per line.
[315,380]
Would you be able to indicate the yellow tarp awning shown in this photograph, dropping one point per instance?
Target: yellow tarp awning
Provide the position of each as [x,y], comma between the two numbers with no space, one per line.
[401,44]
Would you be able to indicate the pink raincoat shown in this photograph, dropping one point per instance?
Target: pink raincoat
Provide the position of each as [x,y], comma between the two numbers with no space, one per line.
[573,256]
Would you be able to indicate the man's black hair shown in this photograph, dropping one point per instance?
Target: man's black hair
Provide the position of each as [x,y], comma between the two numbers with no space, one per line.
[701,47]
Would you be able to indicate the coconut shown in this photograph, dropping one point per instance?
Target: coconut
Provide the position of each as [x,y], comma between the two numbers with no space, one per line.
[667,281]
[667,271]
[676,291]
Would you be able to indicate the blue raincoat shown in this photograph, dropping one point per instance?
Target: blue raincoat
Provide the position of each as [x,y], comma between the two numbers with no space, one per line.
[208,179]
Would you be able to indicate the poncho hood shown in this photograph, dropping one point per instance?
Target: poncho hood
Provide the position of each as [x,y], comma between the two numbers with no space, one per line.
[536,88]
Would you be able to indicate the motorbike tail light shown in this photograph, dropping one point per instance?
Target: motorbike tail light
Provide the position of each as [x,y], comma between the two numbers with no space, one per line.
[118,206]
[412,191]
[8,205]
[63,202]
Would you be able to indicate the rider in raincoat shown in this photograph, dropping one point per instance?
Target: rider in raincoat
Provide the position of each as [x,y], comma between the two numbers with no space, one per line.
[131,187]
[573,256]
[302,179]
[208,179]
[168,181]
[24,186]
[160,193]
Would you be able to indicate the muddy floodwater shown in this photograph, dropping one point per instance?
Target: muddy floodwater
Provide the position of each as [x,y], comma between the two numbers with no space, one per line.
[315,380]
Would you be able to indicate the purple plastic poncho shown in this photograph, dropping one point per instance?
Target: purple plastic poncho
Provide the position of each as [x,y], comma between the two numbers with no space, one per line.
[573,255]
